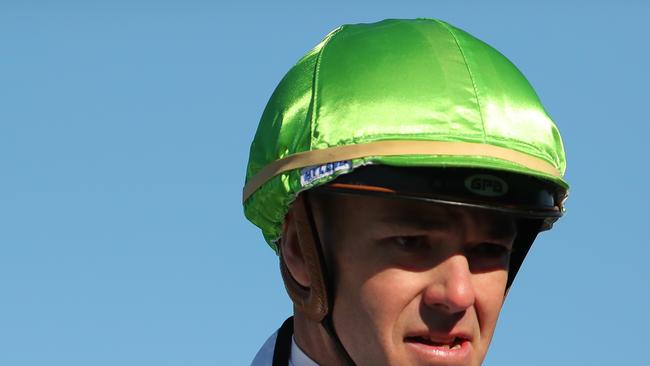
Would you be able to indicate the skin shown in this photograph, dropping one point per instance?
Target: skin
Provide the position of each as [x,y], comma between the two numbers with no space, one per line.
[403,270]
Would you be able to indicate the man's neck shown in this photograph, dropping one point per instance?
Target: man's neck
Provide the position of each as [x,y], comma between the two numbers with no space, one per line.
[315,342]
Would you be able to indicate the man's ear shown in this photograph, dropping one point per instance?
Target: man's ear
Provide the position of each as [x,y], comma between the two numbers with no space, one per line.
[291,252]
[301,263]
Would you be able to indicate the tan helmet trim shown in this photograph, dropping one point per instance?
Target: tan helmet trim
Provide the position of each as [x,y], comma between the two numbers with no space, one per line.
[392,148]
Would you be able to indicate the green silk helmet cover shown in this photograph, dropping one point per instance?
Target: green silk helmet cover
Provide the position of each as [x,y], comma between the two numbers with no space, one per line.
[411,93]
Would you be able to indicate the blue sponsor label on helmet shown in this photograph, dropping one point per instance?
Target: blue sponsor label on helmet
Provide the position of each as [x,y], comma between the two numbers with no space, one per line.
[312,173]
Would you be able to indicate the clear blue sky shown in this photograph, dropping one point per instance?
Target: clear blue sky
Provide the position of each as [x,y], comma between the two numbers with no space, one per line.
[124,134]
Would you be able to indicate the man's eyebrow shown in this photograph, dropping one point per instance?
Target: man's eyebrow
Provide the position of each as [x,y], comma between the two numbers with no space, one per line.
[501,229]
[497,228]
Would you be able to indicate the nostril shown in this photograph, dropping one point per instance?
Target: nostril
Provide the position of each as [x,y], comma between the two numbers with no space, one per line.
[451,289]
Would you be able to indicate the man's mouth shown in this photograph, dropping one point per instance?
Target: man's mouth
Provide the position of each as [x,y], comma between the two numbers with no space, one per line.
[440,349]
[454,343]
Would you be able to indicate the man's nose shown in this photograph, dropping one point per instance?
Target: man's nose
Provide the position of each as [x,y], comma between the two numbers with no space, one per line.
[450,288]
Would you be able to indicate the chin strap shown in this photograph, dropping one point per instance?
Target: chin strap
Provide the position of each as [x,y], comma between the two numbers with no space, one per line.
[282,349]
[527,230]
[317,301]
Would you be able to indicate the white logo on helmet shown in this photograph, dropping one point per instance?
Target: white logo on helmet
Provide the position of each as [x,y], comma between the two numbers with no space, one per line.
[316,172]
[486,185]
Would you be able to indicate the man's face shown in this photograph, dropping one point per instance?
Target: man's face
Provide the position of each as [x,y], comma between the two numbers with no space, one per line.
[416,283]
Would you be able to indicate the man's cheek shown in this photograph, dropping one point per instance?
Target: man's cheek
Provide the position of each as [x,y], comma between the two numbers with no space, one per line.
[388,301]
[489,300]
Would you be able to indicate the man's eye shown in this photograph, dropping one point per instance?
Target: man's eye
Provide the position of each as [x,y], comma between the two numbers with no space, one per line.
[410,243]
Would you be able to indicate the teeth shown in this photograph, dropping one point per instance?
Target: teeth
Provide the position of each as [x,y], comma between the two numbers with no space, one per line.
[455,344]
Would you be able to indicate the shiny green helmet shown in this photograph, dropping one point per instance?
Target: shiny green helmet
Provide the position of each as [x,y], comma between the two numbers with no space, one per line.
[402,93]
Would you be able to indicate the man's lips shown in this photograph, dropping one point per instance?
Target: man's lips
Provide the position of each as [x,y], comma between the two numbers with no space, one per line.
[444,349]
[438,339]
[449,343]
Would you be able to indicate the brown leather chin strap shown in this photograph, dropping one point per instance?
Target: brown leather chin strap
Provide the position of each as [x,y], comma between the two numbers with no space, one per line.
[316,302]
[312,301]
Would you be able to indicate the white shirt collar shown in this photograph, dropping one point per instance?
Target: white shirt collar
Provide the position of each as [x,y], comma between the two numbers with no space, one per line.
[298,357]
